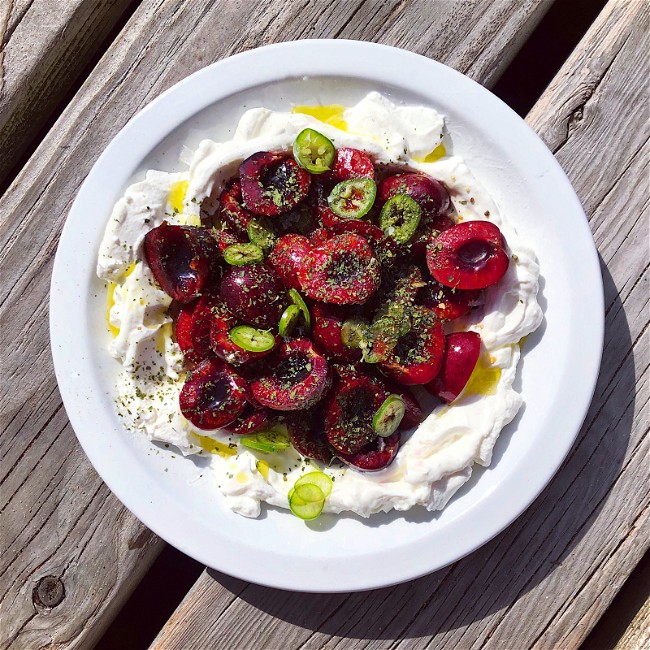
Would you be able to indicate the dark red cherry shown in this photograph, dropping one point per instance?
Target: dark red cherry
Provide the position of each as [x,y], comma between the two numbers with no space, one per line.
[350,163]
[307,434]
[213,395]
[431,195]
[184,334]
[417,357]
[272,184]
[448,303]
[296,379]
[349,411]
[201,324]
[254,294]
[413,415]
[250,421]
[231,211]
[221,322]
[287,257]
[462,351]
[375,455]
[471,255]
[181,258]
[343,271]
[326,332]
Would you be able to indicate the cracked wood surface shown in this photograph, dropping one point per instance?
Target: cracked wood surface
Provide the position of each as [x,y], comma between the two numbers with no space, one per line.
[46,46]
[545,581]
[59,519]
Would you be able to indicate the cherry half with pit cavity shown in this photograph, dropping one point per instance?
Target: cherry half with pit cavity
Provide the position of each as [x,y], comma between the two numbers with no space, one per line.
[471,255]
[181,258]
[462,350]
[213,395]
[272,184]
[296,379]
[343,270]
[417,357]
[350,408]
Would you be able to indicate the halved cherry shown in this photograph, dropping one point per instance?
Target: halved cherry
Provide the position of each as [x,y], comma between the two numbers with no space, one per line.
[448,303]
[181,258]
[349,411]
[350,163]
[231,210]
[296,379]
[222,343]
[431,195]
[307,435]
[319,190]
[184,333]
[418,355]
[461,355]
[320,236]
[254,294]
[343,271]
[326,332]
[287,257]
[414,414]
[272,184]
[250,421]
[471,255]
[227,237]
[207,308]
[375,455]
[213,395]
[429,228]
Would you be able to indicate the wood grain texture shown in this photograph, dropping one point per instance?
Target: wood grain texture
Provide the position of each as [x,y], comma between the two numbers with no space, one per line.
[546,580]
[46,46]
[637,635]
[58,517]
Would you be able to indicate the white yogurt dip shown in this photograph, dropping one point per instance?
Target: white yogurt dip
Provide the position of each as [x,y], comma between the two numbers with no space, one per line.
[436,458]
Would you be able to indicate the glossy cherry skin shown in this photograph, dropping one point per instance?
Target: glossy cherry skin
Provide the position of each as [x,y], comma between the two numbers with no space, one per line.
[342,271]
[250,421]
[471,255]
[213,395]
[288,256]
[462,350]
[307,434]
[231,211]
[272,184]
[375,455]
[326,332]
[431,195]
[254,294]
[447,303]
[296,379]
[349,411]
[182,259]
[418,355]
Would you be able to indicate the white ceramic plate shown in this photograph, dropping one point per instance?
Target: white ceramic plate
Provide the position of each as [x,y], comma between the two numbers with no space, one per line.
[172,495]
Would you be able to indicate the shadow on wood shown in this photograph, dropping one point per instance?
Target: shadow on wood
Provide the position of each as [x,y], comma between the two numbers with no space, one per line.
[507,568]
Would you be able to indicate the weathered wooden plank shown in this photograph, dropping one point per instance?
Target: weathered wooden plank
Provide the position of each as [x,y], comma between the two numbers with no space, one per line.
[546,580]
[637,635]
[58,518]
[46,46]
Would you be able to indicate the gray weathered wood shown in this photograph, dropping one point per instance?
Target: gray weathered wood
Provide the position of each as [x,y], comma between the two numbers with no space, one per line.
[58,518]
[546,580]
[46,45]
[637,635]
